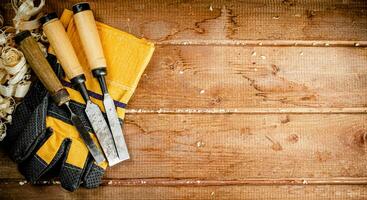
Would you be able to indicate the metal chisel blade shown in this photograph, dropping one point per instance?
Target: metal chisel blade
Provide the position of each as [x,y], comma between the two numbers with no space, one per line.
[84,134]
[102,131]
[116,128]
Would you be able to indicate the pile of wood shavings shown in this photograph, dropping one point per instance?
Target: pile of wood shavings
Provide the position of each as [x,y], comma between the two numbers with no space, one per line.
[14,71]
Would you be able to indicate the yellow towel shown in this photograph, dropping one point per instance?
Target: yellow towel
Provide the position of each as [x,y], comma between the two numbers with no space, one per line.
[127,58]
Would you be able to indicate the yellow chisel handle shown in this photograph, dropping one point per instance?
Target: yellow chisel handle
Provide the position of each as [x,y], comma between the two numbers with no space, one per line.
[89,37]
[59,41]
[65,19]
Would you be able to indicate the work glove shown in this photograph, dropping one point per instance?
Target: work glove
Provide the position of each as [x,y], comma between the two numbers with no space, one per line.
[46,143]
[43,140]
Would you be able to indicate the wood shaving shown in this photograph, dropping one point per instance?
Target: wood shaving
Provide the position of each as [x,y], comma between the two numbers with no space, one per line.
[14,71]
[24,10]
[14,74]
[211,7]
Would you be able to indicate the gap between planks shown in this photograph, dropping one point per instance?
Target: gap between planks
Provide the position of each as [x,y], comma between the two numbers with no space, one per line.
[360,110]
[276,43]
[250,181]
[199,182]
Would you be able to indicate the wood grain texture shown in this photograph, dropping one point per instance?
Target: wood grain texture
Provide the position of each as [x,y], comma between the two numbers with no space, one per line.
[326,192]
[223,21]
[224,77]
[223,147]
[239,20]
[237,146]
[252,99]
[36,60]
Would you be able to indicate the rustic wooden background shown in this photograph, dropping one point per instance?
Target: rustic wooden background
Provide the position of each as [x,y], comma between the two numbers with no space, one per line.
[255,99]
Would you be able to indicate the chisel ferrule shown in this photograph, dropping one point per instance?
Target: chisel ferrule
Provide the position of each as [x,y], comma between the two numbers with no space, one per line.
[78,83]
[79,7]
[101,71]
[100,74]
[61,97]
[48,17]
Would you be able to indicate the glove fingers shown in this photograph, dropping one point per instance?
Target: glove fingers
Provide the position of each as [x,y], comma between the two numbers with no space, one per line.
[73,166]
[45,158]
[93,174]
[32,133]
[70,176]
[23,112]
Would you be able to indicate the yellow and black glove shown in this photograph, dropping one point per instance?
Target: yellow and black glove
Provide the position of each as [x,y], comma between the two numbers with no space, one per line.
[43,140]
[48,144]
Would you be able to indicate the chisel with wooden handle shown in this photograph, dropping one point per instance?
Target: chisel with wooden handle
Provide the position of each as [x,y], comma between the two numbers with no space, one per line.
[59,41]
[47,76]
[88,34]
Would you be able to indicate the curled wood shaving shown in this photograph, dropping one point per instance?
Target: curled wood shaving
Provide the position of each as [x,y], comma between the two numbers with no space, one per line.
[24,10]
[6,36]
[15,83]
[14,71]
[10,57]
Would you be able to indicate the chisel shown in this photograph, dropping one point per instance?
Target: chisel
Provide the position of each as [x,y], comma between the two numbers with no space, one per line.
[59,41]
[88,34]
[47,76]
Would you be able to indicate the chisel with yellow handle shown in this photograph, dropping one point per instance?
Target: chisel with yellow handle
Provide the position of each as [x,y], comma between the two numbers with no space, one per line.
[65,53]
[91,43]
[47,76]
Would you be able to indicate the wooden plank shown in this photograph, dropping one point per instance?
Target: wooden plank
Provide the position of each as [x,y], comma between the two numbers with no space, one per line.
[222,77]
[332,192]
[239,146]
[235,146]
[277,43]
[358,110]
[201,182]
[231,150]
[246,181]
[226,21]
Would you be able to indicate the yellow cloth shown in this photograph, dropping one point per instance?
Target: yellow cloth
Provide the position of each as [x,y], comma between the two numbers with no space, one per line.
[127,58]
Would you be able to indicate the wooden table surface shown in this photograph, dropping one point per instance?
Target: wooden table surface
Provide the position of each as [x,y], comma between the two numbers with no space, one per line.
[256,99]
